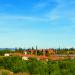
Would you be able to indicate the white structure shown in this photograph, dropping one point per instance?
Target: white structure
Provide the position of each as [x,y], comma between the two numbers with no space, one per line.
[24,58]
[6,54]
[25,53]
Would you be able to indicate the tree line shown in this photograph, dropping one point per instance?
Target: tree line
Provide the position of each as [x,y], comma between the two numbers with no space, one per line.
[20,50]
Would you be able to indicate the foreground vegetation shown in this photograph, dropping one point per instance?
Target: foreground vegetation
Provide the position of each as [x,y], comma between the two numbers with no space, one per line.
[34,67]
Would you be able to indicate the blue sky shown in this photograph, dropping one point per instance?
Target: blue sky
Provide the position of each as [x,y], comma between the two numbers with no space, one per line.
[45,23]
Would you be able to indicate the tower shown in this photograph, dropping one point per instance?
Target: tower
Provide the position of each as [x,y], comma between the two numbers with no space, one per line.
[36,50]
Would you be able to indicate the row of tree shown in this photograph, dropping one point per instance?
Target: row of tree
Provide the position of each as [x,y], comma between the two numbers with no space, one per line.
[20,50]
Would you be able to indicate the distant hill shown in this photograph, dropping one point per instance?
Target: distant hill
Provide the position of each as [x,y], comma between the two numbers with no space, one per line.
[7,48]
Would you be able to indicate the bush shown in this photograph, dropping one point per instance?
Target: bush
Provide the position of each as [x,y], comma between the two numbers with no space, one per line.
[35,67]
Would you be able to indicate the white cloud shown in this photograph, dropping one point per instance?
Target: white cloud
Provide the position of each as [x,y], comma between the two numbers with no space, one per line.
[63,10]
[29,18]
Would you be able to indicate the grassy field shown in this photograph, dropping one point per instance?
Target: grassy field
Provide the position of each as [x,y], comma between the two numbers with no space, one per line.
[7,72]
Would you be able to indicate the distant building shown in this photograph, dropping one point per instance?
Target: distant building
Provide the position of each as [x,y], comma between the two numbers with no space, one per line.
[24,58]
[51,51]
[25,52]
[6,54]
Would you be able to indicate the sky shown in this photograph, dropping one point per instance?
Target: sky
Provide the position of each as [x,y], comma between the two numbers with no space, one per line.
[45,23]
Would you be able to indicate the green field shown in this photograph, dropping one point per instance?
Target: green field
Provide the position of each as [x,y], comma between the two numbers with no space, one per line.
[15,65]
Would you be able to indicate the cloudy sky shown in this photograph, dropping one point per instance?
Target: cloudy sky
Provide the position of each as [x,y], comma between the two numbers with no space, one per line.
[45,23]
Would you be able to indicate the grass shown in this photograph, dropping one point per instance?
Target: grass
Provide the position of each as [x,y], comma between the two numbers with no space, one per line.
[7,72]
